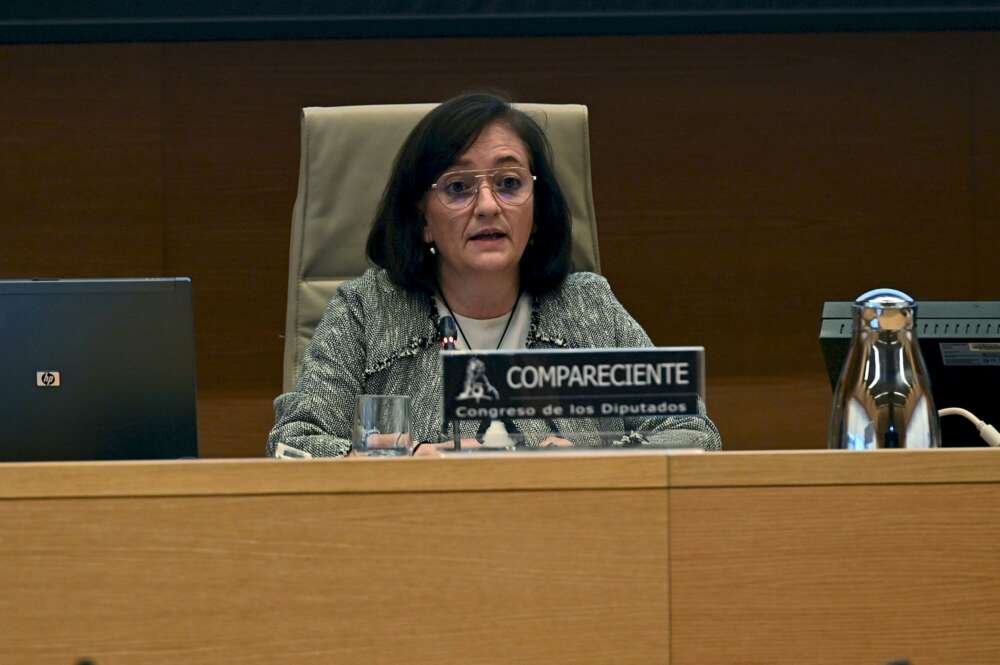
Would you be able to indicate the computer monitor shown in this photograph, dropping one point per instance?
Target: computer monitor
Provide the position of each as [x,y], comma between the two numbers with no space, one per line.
[960,344]
[98,369]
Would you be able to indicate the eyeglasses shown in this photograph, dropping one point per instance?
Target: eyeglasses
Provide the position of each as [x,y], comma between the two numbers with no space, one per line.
[510,185]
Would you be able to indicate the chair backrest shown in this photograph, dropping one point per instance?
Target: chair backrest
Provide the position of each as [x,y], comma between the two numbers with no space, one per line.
[347,156]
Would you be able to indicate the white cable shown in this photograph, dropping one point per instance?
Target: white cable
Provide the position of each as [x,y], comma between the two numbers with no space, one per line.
[968,415]
[988,433]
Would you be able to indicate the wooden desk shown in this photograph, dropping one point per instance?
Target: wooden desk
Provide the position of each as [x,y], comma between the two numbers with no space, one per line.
[836,557]
[564,558]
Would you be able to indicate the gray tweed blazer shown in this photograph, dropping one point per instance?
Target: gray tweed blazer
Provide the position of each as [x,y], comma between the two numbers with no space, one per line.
[376,338]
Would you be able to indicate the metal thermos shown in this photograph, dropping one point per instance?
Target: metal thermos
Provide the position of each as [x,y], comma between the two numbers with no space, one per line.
[883,398]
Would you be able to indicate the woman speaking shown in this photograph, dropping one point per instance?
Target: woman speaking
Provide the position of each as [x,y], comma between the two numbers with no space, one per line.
[472,225]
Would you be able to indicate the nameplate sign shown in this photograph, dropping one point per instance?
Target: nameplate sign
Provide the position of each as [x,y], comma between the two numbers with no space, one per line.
[573,383]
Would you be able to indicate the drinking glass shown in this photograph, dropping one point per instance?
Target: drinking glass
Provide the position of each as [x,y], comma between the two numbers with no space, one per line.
[381,426]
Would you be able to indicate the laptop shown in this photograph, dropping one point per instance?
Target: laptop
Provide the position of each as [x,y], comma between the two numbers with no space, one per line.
[97,369]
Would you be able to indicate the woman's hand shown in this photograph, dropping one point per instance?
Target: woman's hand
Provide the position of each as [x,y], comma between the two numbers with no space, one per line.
[378,441]
[432,449]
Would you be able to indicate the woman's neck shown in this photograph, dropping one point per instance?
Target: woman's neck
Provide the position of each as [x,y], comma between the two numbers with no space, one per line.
[485,297]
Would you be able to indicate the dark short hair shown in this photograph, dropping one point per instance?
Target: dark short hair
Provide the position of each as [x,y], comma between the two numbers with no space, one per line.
[396,239]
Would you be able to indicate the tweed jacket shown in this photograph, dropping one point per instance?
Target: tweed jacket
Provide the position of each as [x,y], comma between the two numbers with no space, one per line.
[376,338]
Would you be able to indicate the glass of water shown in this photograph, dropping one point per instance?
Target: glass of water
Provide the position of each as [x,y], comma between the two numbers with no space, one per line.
[381,426]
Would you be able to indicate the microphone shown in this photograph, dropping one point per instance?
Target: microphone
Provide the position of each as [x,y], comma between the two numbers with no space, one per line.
[449,333]
[448,330]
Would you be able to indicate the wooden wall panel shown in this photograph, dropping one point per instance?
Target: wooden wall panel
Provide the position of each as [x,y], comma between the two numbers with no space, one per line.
[770,412]
[80,138]
[769,175]
[740,181]
[985,156]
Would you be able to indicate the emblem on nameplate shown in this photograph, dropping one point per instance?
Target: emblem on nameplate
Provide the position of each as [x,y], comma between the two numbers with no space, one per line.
[477,385]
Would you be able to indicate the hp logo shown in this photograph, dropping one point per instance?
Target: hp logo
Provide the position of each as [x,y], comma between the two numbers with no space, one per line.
[47,379]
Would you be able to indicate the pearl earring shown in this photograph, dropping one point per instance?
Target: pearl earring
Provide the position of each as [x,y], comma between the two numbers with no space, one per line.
[431,248]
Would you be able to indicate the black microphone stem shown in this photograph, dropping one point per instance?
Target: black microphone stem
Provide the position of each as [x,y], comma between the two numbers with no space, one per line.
[449,331]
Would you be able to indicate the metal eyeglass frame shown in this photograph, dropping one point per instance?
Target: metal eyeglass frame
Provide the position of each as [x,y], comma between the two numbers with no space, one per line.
[480,176]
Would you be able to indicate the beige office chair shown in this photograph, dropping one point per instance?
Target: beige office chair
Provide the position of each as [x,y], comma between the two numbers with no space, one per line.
[347,154]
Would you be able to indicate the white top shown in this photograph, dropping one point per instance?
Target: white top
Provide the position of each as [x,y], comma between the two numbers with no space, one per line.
[483,335]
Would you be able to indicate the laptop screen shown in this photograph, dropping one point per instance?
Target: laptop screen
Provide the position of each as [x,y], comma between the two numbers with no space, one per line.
[99,369]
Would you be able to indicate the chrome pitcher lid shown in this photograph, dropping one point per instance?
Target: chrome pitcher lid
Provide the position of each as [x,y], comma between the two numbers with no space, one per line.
[885,310]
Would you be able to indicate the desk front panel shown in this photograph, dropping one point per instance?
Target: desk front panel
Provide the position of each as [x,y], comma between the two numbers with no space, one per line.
[836,574]
[546,576]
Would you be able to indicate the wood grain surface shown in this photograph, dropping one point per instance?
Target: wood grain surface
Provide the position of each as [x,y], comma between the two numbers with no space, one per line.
[835,467]
[355,475]
[757,557]
[843,574]
[434,578]
[740,181]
